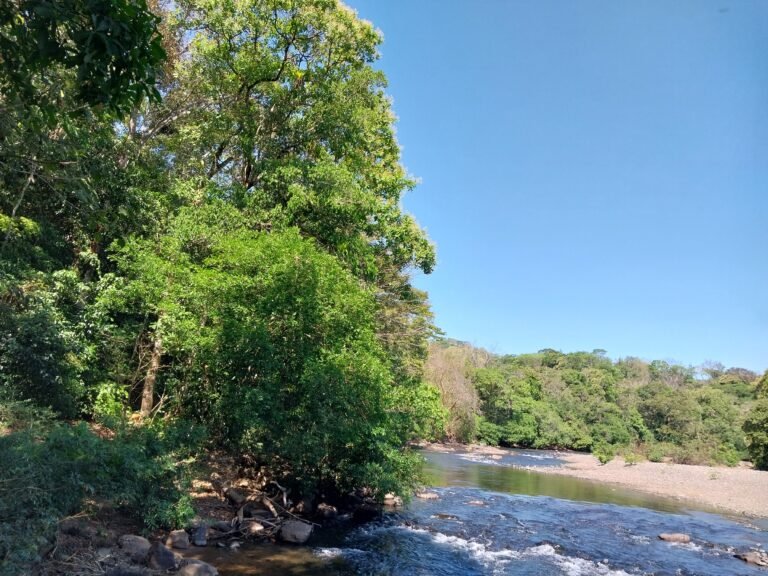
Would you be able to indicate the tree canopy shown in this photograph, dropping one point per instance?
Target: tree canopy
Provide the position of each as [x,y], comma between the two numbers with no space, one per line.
[200,223]
[585,401]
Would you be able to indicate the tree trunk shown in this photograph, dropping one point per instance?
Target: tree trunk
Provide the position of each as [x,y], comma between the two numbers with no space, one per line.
[148,392]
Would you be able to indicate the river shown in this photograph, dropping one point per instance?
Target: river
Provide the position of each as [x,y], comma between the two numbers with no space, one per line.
[496,517]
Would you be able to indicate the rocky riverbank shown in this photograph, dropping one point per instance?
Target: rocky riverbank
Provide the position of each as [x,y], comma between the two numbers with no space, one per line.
[234,509]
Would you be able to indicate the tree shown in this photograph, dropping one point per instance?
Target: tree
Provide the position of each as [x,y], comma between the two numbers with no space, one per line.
[112,46]
[448,368]
[271,342]
[278,104]
[67,68]
[276,110]
[756,430]
[756,425]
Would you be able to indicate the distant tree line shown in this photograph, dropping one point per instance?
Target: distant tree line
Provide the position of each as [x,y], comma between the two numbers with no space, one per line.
[585,401]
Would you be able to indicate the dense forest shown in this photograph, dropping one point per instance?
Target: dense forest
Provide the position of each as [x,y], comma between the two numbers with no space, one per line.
[585,401]
[201,234]
[202,247]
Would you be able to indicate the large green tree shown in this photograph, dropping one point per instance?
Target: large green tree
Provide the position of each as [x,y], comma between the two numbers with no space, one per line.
[234,252]
[275,108]
[271,342]
[278,103]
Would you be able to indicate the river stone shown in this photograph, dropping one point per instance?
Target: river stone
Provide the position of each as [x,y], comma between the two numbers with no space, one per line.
[366,511]
[755,557]
[191,567]
[178,539]
[295,532]
[200,536]
[326,511]
[675,537]
[427,496]
[392,500]
[136,547]
[162,558]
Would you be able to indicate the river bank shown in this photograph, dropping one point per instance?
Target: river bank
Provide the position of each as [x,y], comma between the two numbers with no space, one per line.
[487,511]
[741,490]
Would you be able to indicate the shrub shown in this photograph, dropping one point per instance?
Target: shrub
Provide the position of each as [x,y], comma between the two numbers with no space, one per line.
[50,468]
[657,452]
[111,400]
[604,452]
[632,458]
[488,432]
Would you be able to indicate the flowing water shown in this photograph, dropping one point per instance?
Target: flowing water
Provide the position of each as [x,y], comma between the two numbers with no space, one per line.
[494,517]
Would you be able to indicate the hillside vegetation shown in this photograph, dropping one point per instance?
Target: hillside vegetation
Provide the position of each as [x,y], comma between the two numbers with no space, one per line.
[201,246]
[585,401]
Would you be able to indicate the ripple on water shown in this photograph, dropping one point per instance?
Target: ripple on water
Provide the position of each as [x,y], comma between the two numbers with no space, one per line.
[522,535]
[480,526]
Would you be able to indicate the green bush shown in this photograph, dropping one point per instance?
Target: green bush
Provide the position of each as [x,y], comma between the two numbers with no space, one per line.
[50,468]
[272,343]
[632,458]
[657,452]
[488,432]
[36,355]
[604,452]
[110,403]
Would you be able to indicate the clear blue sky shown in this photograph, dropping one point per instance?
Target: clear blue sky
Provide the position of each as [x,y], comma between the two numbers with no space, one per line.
[594,173]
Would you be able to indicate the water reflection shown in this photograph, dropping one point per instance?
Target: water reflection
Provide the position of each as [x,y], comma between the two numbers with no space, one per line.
[451,470]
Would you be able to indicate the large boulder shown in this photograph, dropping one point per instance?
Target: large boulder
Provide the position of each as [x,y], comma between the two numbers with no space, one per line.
[295,532]
[675,537]
[135,547]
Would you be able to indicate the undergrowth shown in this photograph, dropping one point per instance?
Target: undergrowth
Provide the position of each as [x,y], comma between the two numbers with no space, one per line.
[51,469]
